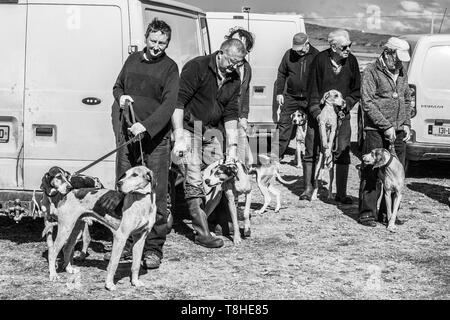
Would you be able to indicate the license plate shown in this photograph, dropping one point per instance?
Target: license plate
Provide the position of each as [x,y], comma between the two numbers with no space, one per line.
[441,130]
[4,134]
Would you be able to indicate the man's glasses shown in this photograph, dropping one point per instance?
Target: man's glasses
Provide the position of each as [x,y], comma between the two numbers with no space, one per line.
[343,48]
[234,64]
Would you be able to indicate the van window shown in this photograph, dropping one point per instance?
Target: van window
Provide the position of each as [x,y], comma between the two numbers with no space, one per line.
[205,35]
[435,68]
[184,44]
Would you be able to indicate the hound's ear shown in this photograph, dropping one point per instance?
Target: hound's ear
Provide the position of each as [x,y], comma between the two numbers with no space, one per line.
[325,97]
[380,158]
[151,178]
[46,185]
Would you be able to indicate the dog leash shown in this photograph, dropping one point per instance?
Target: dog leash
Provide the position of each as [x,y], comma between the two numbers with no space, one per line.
[128,108]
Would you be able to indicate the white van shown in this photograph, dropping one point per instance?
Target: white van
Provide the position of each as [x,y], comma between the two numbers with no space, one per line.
[59,61]
[429,79]
[273,36]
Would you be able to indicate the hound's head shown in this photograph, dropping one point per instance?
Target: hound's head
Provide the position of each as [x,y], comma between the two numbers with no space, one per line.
[56,180]
[138,179]
[219,173]
[377,157]
[333,97]
[298,118]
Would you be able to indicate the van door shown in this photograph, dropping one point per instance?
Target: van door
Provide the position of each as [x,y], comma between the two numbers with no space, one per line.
[186,42]
[265,59]
[432,80]
[74,54]
[12,65]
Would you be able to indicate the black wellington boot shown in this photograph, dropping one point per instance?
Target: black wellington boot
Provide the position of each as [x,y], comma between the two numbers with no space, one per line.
[341,184]
[307,181]
[200,224]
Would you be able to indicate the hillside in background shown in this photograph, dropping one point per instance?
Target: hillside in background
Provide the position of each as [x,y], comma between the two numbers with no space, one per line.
[361,41]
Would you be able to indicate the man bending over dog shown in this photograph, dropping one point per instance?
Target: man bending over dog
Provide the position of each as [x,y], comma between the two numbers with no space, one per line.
[335,68]
[386,118]
[207,105]
[150,80]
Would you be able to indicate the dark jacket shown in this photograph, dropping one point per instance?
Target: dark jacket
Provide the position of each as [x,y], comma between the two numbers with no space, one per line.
[244,95]
[380,109]
[153,85]
[293,72]
[201,98]
[322,79]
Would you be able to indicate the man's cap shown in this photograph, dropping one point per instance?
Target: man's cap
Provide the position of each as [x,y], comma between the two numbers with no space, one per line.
[400,46]
[299,40]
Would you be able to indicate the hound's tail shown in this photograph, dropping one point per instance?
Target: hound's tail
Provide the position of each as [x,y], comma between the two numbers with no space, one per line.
[284,181]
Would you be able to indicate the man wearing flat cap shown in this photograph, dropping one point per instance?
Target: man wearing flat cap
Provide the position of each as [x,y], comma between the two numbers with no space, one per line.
[386,118]
[291,86]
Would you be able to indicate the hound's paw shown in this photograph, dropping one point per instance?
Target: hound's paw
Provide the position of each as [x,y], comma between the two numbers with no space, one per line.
[80,256]
[53,277]
[277,209]
[237,240]
[137,283]
[259,211]
[72,270]
[110,286]
[392,228]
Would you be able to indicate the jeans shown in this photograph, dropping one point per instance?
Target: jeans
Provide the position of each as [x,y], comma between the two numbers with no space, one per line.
[203,150]
[157,158]
[367,189]
[285,126]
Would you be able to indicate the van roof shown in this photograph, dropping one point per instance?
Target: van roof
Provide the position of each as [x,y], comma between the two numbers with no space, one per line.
[165,3]
[257,16]
[412,39]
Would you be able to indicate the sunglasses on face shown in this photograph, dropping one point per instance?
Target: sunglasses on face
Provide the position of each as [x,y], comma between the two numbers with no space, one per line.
[343,48]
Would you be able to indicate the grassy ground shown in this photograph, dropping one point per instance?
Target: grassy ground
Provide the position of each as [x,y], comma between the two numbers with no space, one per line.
[306,251]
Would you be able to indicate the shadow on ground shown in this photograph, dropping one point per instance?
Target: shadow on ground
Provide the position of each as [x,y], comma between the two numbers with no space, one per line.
[436,192]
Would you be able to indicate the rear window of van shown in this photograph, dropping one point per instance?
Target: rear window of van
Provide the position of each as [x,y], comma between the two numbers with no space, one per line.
[435,68]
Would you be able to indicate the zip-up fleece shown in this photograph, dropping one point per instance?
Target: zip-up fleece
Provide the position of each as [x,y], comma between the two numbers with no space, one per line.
[293,72]
[381,109]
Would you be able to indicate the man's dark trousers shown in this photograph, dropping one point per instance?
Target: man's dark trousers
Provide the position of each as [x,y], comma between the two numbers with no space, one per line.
[157,158]
[367,190]
[285,126]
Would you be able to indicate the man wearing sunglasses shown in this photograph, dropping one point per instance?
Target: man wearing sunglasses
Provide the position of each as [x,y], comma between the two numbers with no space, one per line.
[334,68]
[386,111]
[207,108]
[291,87]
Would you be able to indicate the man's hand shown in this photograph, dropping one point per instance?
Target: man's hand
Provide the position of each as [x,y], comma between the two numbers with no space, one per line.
[123,100]
[280,99]
[244,123]
[390,134]
[407,130]
[137,128]
[179,147]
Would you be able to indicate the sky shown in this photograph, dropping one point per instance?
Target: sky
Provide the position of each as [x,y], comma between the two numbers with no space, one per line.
[378,16]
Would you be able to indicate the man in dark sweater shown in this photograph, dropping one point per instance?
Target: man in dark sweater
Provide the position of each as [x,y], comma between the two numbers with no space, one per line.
[334,68]
[207,106]
[293,75]
[150,80]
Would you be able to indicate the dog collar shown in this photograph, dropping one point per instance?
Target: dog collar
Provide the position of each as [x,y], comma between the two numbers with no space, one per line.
[391,157]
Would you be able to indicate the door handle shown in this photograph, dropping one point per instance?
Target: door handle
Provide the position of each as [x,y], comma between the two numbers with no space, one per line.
[44,131]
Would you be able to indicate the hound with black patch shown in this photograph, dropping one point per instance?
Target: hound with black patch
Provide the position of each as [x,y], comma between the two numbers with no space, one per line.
[56,183]
[135,216]
[299,119]
[233,179]
[391,174]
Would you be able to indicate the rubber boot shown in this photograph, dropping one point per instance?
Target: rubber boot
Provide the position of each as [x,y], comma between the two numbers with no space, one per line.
[307,181]
[200,224]
[341,184]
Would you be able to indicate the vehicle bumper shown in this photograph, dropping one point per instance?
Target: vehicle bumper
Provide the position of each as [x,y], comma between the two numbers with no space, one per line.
[417,151]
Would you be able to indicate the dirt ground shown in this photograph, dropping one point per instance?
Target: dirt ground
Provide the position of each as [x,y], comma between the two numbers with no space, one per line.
[306,251]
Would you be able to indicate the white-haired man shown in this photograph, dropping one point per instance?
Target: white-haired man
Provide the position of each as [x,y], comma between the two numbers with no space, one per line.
[334,68]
